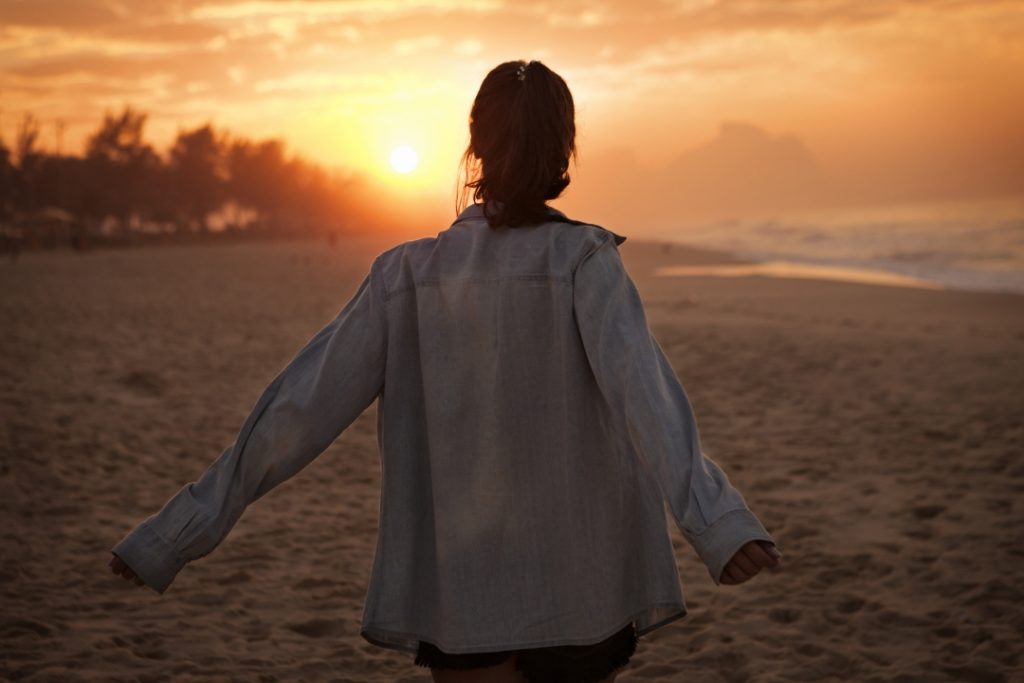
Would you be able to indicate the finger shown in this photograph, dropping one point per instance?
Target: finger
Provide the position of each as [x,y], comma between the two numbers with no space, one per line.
[735,573]
[748,565]
[756,553]
[117,565]
[128,573]
[139,582]
[725,579]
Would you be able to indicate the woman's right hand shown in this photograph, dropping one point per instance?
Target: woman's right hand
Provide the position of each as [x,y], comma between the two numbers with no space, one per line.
[118,566]
[749,560]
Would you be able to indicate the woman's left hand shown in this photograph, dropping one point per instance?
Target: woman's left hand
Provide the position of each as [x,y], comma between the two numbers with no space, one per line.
[118,566]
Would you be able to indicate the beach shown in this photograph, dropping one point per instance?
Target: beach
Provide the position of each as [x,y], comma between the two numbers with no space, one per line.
[876,431]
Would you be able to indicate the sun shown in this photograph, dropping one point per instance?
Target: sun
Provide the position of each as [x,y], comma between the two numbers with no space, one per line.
[404,159]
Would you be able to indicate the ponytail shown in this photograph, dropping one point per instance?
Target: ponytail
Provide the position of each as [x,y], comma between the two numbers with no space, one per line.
[522,137]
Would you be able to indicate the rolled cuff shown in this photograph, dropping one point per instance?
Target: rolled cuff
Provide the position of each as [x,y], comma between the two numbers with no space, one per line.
[717,544]
[152,558]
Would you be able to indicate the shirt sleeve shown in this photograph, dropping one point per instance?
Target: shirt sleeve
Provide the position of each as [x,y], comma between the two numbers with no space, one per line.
[640,384]
[320,392]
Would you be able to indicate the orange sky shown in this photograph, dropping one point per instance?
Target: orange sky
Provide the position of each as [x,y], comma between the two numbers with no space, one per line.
[713,108]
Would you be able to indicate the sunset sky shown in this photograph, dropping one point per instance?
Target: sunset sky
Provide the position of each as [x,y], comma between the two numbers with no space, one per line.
[834,102]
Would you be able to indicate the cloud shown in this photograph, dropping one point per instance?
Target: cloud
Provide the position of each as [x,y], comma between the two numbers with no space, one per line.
[410,46]
[314,10]
[696,61]
[65,14]
[186,32]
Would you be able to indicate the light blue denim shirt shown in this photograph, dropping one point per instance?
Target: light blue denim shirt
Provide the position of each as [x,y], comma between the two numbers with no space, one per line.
[531,431]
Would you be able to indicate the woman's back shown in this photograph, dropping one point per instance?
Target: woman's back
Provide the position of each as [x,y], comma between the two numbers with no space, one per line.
[511,494]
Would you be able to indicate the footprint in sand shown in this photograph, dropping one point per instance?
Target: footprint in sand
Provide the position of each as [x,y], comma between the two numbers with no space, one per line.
[850,605]
[240,576]
[939,435]
[658,672]
[974,674]
[143,383]
[13,628]
[928,511]
[319,628]
[783,615]
[306,584]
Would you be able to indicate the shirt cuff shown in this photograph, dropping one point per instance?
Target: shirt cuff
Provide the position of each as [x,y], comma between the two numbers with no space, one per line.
[152,558]
[717,544]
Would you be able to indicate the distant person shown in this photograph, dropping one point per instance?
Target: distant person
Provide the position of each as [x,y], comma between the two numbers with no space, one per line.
[14,245]
[531,430]
[78,242]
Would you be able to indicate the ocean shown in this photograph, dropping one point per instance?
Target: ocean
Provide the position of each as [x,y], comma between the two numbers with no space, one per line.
[975,245]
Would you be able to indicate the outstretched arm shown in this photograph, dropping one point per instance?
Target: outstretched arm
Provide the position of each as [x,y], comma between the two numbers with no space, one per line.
[640,384]
[321,391]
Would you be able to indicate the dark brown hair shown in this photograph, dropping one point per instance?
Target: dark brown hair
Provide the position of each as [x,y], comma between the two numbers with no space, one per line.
[522,134]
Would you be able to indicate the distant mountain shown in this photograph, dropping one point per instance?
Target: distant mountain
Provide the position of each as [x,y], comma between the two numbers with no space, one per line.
[743,162]
[743,170]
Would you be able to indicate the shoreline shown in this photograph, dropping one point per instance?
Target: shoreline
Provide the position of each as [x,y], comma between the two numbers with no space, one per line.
[696,261]
[772,266]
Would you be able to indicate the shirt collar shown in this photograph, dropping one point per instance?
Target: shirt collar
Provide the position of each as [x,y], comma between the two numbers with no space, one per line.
[476,212]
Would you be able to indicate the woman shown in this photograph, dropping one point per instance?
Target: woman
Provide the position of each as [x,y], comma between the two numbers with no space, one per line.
[530,429]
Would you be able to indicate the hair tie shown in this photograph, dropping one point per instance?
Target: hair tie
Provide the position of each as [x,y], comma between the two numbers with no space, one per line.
[521,72]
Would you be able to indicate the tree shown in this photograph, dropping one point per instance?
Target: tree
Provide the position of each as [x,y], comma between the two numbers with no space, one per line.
[28,158]
[8,180]
[257,176]
[197,170]
[122,169]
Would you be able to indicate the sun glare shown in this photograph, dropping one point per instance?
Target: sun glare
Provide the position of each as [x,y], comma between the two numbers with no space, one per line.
[404,159]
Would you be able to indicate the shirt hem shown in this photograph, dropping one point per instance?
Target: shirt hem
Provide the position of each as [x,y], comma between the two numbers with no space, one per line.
[409,642]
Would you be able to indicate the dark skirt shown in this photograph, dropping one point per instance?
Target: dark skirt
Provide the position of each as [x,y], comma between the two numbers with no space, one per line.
[561,664]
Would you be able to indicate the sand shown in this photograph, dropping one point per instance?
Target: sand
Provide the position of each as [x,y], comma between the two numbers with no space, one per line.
[875,430]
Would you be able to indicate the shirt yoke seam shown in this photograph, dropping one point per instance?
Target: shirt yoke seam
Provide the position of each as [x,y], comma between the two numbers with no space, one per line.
[433,282]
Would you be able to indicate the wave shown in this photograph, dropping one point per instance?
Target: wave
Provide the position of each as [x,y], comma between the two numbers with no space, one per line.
[976,245]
